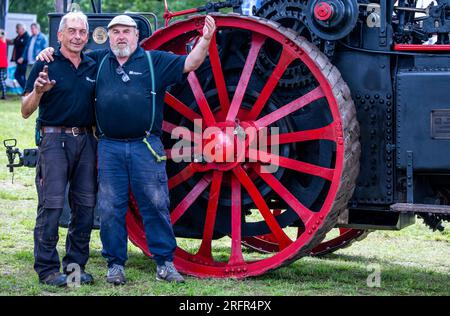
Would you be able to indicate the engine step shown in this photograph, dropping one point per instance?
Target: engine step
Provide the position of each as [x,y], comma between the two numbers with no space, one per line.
[420,208]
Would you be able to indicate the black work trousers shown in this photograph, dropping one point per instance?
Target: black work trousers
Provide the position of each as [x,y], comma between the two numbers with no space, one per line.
[64,159]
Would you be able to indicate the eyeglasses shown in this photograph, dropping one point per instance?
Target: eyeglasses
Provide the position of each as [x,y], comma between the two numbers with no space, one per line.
[120,71]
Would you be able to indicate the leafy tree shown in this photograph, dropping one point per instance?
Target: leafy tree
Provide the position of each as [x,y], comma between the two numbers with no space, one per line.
[43,7]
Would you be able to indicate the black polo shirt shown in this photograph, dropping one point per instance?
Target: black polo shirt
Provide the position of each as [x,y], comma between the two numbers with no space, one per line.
[20,42]
[70,102]
[124,109]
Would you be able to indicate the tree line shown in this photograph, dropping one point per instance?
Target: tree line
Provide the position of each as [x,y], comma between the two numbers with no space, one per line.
[42,7]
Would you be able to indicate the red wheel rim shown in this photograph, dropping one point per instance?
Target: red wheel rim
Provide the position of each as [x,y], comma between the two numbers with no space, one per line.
[268,244]
[202,264]
[346,236]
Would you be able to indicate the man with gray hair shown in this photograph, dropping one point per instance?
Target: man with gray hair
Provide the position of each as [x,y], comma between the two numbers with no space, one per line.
[67,151]
[130,89]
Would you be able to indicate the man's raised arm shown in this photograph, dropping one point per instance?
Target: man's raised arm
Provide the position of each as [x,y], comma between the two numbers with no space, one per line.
[197,56]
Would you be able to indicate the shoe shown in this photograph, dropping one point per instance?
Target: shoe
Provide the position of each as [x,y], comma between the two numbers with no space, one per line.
[86,278]
[55,279]
[169,273]
[116,275]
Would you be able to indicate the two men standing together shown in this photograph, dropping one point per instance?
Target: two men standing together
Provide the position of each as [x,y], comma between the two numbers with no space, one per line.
[121,92]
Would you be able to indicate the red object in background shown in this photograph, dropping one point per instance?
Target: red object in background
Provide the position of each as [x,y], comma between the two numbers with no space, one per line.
[421,48]
[3,54]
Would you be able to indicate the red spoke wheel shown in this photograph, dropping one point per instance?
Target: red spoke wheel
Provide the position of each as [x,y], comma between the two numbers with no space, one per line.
[316,163]
[345,237]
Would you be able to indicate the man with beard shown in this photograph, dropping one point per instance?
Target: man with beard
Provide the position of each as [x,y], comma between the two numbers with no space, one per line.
[129,110]
[130,89]
[66,150]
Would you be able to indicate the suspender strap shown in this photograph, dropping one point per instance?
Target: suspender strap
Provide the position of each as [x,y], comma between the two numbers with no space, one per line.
[153,91]
[96,85]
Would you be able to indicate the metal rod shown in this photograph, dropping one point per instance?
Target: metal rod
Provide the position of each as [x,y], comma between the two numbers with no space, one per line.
[94,7]
[417,10]
[99,6]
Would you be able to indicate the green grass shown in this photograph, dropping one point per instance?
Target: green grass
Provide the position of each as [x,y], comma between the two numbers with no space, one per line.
[414,261]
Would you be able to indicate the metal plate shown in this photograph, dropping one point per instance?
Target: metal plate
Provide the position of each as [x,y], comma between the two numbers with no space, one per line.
[440,124]
[422,95]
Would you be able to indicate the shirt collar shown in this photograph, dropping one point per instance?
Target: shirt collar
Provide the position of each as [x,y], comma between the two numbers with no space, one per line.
[84,58]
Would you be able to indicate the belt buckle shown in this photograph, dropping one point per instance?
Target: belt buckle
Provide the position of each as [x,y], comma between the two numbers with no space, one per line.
[75,131]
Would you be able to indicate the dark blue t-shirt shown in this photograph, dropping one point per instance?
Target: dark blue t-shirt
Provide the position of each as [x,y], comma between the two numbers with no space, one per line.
[70,102]
[124,108]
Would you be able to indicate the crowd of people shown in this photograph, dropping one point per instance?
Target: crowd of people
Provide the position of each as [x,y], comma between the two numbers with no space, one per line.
[26,48]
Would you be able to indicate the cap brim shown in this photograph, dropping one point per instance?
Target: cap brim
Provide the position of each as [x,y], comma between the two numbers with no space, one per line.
[123,24]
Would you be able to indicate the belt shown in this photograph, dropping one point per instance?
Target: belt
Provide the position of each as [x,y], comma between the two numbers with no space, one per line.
[75,131]
[125,140]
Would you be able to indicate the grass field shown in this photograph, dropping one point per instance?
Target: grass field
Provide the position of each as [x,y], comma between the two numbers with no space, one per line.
[414,261]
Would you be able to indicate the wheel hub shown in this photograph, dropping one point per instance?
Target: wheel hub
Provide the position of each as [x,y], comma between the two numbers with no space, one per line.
[225,146]
[323,11]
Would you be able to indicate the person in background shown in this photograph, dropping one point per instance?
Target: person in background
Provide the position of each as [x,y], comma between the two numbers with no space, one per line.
[36,43]
[3,62]
[19,43]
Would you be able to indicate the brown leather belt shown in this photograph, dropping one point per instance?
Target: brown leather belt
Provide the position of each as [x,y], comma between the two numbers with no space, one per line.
[75,131]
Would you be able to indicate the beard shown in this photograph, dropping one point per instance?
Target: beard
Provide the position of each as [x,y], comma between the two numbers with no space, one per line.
[122,52]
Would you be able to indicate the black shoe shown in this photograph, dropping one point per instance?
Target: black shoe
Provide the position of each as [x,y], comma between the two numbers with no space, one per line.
[55,279]
[86,278]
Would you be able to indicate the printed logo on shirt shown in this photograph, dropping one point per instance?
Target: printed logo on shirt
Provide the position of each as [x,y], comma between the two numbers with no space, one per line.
[135,72]
[90,80]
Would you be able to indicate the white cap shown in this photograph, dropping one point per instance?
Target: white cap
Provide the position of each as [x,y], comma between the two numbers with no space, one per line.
[122,20]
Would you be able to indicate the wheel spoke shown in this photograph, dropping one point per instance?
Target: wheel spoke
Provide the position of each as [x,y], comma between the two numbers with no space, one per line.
[185,157]
[257,42]
[285,60]
[181,108]
[169,127]
[270,219]
[295,105]
[208,232]
[201,99]
[216,67]
[182,176]
[190,198]
[236,257]
[326,133]
[302,211]
[300,166]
